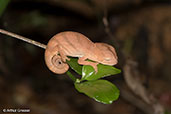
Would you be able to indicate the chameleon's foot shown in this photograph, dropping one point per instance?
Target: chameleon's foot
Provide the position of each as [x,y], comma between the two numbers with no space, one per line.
[83,61]
[94,65]
[67,58]
[63,55]
[64,58]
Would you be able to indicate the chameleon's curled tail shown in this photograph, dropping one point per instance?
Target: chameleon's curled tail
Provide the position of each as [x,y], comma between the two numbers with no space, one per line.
[54,62]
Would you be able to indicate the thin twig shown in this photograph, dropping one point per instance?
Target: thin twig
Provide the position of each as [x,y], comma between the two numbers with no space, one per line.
[38,44]
[107,27]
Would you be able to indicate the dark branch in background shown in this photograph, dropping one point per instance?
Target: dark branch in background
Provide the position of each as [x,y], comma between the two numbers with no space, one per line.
[108,30]
[147,103]
[38,44]
[134,100]
[132,78]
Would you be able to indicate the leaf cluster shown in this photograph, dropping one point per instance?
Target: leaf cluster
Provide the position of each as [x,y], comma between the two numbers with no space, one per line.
[91,83]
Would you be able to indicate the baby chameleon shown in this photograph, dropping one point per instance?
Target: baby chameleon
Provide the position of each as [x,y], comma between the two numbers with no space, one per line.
[75,44]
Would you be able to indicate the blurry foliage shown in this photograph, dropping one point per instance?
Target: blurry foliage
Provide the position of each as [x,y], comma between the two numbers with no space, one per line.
[3,5]
[35,19]
[167,112]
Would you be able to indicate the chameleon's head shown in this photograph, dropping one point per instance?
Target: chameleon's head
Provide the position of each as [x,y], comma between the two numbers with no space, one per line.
[108,54]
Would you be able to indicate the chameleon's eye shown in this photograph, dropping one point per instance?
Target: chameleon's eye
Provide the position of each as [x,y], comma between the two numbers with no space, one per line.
[107,59]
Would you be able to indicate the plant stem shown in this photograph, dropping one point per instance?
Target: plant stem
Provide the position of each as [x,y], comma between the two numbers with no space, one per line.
[23,38]
[71,76]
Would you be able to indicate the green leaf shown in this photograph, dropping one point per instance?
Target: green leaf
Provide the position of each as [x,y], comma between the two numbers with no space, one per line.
[101,90]
[71,76]
[88,72]
[73,63]
[3,4]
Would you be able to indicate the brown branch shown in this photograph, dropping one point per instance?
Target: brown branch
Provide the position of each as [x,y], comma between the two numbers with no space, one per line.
[131,76]
[107,28]
[129,96]
[38,44]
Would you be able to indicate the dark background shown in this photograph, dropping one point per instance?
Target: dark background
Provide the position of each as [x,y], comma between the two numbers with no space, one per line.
[139,30]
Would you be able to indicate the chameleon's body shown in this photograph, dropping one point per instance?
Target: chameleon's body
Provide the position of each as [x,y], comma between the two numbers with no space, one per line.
[77,45]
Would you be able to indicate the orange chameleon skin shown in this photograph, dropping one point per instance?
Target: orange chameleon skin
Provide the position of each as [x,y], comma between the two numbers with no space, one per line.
[75,44]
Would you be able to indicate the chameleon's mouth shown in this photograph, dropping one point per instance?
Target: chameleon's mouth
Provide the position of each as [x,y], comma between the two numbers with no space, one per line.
[111,63]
